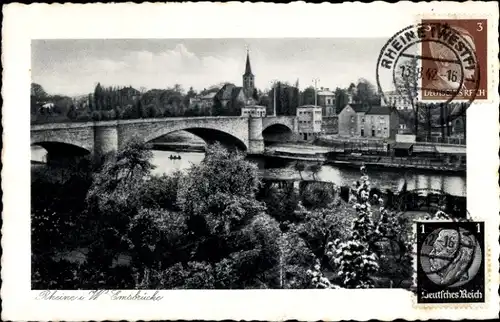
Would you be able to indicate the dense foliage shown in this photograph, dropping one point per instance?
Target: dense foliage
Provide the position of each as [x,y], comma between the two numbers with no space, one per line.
[117,225]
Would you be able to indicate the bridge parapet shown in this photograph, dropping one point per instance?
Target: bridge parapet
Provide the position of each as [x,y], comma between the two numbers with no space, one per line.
[105,136]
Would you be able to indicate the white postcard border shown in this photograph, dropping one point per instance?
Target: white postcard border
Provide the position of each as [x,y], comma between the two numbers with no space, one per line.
[235,20]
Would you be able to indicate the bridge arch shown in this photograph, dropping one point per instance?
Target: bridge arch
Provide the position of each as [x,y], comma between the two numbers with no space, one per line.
[277,132]
[55,144]
[62,153]
[207,134]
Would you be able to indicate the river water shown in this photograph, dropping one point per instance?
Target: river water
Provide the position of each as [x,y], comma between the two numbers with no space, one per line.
[284,169]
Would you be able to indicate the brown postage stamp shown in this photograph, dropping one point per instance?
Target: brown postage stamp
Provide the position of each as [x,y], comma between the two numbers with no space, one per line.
[457,61]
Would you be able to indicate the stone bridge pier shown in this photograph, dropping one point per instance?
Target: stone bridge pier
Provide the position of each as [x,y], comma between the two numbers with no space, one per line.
[106,139]
[255,138]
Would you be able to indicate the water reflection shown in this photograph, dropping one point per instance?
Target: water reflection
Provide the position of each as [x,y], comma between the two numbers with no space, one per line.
[386,179]
[38,154]
[279,168]
[164,164]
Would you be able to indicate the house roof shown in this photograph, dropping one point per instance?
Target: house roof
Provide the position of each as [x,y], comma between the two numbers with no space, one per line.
[228,92]
[357,107]
[403,145]
[379,110]
[130,90]
[326,93]
[208,96]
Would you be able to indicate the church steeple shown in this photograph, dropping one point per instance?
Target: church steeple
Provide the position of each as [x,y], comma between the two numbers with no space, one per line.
[248,68]
[248,79]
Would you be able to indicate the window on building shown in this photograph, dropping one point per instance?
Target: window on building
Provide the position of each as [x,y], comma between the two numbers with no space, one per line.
[352,118]
[362,120]
[379,130]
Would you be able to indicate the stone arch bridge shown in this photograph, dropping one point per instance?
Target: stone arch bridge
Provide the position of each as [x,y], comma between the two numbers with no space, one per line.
[99,138]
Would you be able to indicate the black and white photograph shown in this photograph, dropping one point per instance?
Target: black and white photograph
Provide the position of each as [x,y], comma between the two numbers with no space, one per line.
[232,164]
[250,161]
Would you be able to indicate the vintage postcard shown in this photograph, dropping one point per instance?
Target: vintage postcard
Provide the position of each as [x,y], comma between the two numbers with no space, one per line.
[209,161]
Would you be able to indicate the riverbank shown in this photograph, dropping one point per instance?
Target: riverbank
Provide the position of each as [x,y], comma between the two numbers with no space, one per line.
[403,166]
[381,161]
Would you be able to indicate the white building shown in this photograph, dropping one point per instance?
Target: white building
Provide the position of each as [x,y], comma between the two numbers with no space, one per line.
[253,111]
[309,119]
[395,99]
[326,99]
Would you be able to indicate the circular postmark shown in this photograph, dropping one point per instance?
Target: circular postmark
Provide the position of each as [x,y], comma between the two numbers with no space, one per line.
[446,72]
[450,256]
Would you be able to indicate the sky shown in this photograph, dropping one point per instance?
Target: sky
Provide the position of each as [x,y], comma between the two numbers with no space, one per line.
[73,67]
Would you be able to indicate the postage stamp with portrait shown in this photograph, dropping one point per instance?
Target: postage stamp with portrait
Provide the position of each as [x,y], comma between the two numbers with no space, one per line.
[441,60]
[450,262]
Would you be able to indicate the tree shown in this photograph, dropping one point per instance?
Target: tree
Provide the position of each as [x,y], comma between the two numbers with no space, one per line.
[366,92]
[98,97]
[72,114]
[295,257]
[178,89]
[321,226]
[318,195]
[113,201]
[228,226]
[308,96]
[281,204]
[383,246]
[140,112]
[315,169]
[287,98]
[37,92]
[407,79]
[300,166]
[218,108]
[341,98]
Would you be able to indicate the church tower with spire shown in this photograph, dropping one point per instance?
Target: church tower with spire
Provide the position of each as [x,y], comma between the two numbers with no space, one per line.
[248,79]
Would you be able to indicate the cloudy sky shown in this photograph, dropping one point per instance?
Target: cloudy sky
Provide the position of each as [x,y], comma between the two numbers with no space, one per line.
[73,67]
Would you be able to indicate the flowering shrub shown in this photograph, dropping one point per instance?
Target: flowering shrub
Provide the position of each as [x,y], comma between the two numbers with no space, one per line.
[379,247]
[318,280]
[354,261]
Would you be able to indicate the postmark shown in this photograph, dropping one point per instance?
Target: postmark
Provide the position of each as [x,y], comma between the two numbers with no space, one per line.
[450,262]
[406,72]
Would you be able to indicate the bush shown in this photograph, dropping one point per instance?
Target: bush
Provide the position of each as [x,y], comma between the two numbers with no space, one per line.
[96,116]
[83,117]
[318,195]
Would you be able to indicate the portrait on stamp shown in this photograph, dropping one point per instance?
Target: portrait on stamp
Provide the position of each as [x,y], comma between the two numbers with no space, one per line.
[450,262]
[444,60]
